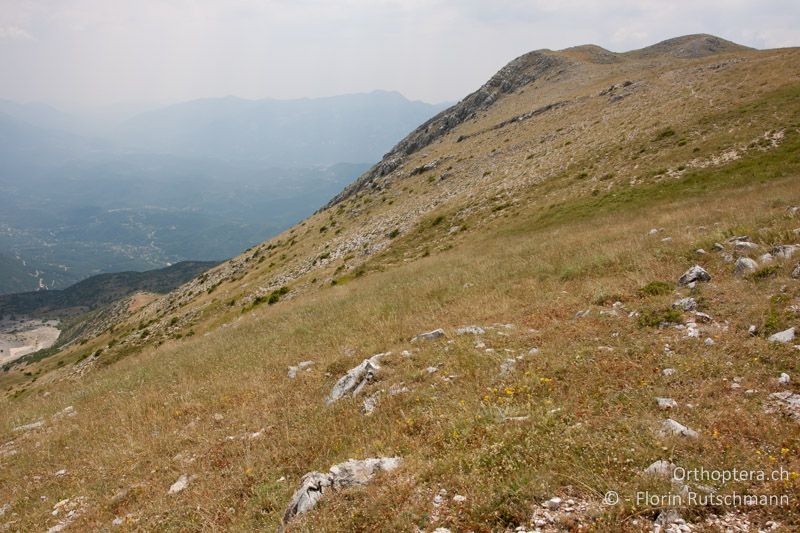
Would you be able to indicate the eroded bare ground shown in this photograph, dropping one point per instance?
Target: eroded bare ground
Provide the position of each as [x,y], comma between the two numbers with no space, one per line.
[21,336]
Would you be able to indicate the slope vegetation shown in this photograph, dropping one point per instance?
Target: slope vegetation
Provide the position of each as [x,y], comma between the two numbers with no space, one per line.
[543,224]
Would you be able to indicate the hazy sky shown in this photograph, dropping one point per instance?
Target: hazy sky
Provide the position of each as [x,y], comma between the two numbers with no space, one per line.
[87,52]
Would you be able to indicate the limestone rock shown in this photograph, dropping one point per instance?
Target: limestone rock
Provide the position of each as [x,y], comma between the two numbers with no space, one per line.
[694,275]
[471,330]
[313,487]
[687,304]
[179,485]
[671,427]
[668,517]
[370,403]
[744,247]
[316,485]
[782,336]
[702,317]
[429,336]
[27,427]
[785,402]
[355,379]
[293,370]
[661,468]
[553,503]
[666,403]
[784,379]
[784,251]
[744,265]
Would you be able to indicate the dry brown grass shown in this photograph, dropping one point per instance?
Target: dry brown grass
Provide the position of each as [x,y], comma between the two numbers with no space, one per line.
[555,249]
[137,416]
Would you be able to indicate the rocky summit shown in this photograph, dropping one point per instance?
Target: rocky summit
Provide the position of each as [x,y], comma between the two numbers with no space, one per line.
[564,292]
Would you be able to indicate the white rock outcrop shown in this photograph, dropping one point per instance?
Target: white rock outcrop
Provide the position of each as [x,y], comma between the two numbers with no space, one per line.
[784,336]
[429,336]
[302,365]
[671,427]
[179,485]
[744,266]
[785,402]
[316,485]
[355,379]
[661,468]
[666,403]
[694,275]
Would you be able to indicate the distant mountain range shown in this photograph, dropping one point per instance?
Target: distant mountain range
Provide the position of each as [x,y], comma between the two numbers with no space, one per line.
[304,132]
[198,180]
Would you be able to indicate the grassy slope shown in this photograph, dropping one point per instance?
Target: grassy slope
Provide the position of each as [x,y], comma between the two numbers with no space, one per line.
[551,249]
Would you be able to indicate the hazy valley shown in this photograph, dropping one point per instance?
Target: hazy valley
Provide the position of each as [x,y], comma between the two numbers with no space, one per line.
[149,191]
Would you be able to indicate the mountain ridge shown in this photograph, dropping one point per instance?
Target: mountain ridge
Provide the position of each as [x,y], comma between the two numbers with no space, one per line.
[520,72]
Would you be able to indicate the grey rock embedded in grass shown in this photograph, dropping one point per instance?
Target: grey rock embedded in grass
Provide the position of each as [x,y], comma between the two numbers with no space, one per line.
[666,403]
[313,487]
[668,517]
[694,275]
[784,251]
[796,271]
[668,372]
[471,330]
[702,317]
[671,427]
[784,379]
[744,247]
[179,485]
[744,265]
[784,336]
[429,336]
[686,304]
[785,402]
[316,485]
[508,366]
[370,403]
[661,468]
[553,503]
[28,427]
[293,370]
[355,379]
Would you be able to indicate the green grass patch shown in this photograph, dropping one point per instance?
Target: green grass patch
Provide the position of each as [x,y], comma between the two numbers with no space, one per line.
[656,288]
[651,318]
